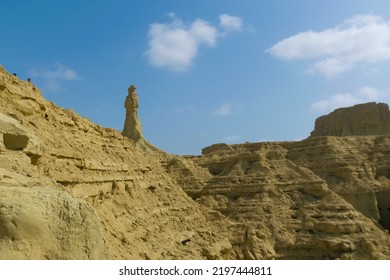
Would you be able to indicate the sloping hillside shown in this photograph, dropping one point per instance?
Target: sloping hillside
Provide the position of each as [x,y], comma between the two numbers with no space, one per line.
[75,177]
[70,189]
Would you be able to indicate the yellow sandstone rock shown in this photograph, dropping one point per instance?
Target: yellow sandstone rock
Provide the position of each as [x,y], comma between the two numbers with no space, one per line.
[71,189]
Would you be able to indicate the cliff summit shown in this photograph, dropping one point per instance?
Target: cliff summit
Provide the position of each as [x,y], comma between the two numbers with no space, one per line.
[362,119]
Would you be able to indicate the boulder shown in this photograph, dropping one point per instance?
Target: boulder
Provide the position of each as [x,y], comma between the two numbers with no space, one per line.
[14,136]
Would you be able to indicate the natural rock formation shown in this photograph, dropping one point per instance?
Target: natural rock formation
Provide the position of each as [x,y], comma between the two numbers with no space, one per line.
[279,208]
[132,128]
[46,223]
[363,119]
[70,189]
[13,136]
[120,190]
[356,168]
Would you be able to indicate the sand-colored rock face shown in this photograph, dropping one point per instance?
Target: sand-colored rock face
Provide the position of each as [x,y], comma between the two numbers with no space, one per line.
[363,119]
[141,211]
[279,208]
[66,180]
[43,223]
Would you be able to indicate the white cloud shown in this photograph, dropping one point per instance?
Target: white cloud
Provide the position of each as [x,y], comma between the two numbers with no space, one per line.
[228,109]
[230,23]
[362,95]
[371,93]
[175,45]
[171,15]
[362,39]
[52,76]
[224,110]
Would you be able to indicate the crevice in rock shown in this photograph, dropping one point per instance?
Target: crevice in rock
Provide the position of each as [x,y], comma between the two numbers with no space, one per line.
[34,158]
[15,142]
[383,199]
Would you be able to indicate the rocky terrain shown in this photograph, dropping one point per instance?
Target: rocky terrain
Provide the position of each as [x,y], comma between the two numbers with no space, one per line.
[362,119]
[70,189]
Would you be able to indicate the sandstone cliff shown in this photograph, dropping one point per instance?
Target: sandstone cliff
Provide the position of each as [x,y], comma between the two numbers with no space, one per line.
[64,180]
[295,200]
[70,189]
[362,119]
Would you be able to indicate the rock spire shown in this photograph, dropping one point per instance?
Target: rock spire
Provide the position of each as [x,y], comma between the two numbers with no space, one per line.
[132,128]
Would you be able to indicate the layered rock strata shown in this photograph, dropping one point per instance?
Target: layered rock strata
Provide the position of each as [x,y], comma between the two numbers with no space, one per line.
[71,189]
[52,161]
[283,204]
[362,119]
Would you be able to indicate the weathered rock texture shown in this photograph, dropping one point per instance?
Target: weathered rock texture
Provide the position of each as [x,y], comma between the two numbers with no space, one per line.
[120,190]
[43,223]
[295,200]
[70,189]
[363,119]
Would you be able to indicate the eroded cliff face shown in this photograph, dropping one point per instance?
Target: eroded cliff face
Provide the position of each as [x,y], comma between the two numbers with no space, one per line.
[294,200]
[362,119]
[70,189]
[52,160]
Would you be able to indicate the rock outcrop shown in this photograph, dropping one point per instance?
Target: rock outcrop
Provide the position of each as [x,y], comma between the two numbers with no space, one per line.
[132,128]
[71,189]
[126,194]
[44,223]
[282,205]
[356,168]
[362,119]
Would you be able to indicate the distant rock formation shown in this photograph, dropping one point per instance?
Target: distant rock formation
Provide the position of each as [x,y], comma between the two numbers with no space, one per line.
[132,128]
[363,119]
[312,199]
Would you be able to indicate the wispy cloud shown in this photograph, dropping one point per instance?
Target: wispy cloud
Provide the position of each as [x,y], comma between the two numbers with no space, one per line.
[362,39]
[227,109]
[185,109]
[362,95]
[175,45]
[53,76]
[230,23]
[224,110]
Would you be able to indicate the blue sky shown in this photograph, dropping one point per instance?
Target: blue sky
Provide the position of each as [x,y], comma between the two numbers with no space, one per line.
[206,71]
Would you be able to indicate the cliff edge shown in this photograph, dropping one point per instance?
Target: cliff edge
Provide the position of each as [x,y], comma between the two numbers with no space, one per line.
[362,119]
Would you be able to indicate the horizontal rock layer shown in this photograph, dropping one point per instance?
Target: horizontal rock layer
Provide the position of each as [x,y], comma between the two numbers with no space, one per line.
[139,209]
[362,119]
[321,198]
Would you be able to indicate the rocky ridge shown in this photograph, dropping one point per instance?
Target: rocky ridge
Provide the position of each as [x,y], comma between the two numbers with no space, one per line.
[362,119]
[286,202]
[87,192]
[49,154]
